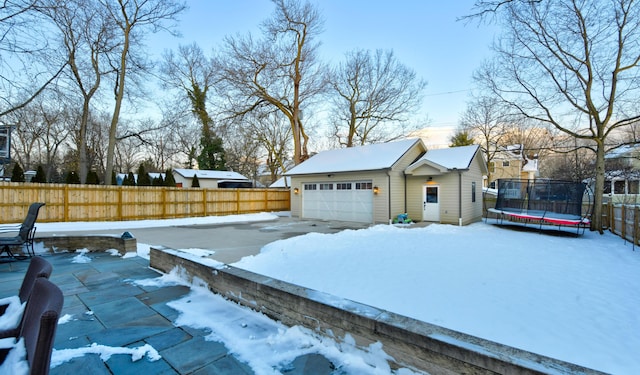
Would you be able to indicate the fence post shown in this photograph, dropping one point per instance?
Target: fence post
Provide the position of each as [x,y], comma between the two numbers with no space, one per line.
[66,203]
[636,210]
[238,201]
[204,202]
[623,221]
[119,210]
[612,219]
[164,202]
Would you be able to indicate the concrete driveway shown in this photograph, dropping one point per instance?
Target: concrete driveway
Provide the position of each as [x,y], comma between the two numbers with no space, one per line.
[231,242]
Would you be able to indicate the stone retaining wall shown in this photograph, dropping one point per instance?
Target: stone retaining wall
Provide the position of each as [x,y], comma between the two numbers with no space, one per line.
[90,242]
[411,343]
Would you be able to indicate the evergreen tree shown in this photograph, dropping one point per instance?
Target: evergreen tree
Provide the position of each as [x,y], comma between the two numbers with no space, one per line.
[461,138]
[92,178]
[18,174]
[212,156]
[143,177]
[40,176]
[132,179]
[168,178]
[158,181]
[114,181]
[72,178]
[195,182]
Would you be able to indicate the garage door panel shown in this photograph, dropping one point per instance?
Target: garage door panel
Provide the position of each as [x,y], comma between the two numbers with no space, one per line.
[334,204]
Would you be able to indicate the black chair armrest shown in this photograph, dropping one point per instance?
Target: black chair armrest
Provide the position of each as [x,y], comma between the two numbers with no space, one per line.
[14,332]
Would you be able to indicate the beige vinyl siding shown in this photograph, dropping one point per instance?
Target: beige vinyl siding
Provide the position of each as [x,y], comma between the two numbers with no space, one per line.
[472,211]
[399,204]
[448,197]
[415,186]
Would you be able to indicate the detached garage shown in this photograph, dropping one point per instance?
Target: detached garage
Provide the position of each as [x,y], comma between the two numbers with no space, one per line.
[375,183]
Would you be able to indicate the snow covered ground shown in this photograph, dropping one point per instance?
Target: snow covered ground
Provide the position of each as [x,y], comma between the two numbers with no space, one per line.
[575,299]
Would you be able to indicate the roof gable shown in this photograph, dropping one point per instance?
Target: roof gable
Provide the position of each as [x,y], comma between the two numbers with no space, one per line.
[444,159]
[363,158]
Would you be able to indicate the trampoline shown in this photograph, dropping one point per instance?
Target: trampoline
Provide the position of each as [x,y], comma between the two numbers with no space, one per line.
[545,202]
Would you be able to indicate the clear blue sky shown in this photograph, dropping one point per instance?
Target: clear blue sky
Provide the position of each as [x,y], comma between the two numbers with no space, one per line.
[423,34]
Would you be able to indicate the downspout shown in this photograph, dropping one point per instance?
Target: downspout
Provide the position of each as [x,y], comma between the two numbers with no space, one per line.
[389,194]
[405,192]
[459,196]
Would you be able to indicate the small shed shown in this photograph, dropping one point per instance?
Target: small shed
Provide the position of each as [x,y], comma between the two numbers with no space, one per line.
[375,183]
[211,179]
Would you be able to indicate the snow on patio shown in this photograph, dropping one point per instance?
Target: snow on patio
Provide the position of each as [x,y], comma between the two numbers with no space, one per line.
[574,299]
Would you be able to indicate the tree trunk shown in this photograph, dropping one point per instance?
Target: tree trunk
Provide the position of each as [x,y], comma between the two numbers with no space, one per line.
[83,167]
[598,191]
[111,148]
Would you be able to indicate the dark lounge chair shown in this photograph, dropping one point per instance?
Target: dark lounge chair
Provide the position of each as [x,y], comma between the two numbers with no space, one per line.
[38,325]
[26,233]
[38,267]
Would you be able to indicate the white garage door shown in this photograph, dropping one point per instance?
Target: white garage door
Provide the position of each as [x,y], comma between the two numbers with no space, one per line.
[346,201]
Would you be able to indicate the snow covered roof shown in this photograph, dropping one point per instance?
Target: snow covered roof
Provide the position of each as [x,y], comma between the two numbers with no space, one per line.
[282,182]
[622,151]
[207,174]
[530,166]
[448,158]
[363,158]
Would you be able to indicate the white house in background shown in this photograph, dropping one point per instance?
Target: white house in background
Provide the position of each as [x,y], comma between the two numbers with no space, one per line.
[375,183]
[211,179]
[282,182]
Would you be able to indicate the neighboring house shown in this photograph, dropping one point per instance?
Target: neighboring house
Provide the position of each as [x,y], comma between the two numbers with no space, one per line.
[375,183]
[282,182]
[508,162]
[211,179]
[622,176]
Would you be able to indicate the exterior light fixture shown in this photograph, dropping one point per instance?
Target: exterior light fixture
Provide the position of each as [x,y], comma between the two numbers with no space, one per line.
[376,190]
[296,191]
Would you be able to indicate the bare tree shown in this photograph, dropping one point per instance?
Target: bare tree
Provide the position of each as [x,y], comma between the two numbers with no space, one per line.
[28,130]
[272,132]
[87,38]
[571,64]
[194,75]
[57,125]
[25,70]
[279,71]
[132,18]
[485,118]
[372,96]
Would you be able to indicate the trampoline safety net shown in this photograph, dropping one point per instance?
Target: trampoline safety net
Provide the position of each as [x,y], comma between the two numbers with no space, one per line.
[545,198]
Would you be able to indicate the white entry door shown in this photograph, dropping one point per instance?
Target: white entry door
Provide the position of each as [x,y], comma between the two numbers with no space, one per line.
[431,203]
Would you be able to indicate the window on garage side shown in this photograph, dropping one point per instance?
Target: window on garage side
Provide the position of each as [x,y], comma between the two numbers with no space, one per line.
[310,187]
[364,186]
[473,191]
[343,186]
[326,186]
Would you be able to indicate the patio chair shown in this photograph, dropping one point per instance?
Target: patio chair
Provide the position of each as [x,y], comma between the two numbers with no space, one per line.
[26,233]
[38,325]
[38,267]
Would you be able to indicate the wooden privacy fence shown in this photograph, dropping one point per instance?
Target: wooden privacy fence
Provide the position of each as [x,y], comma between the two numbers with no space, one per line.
[624,220]
[117,203]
